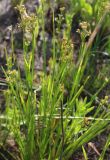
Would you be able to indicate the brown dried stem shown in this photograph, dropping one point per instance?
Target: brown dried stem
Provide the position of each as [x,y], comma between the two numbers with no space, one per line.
[96,30]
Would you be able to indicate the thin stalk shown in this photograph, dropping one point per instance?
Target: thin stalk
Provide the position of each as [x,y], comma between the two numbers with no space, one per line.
[43,32]
[96,30]
[62,128]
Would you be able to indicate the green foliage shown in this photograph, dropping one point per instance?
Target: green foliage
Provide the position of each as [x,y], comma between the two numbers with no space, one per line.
[85,154]
[61,120]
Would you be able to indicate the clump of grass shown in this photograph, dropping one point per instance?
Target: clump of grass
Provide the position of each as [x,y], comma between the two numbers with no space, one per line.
[56,124]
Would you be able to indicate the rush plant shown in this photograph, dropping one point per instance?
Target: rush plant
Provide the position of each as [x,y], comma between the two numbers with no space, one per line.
[51,119]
